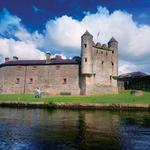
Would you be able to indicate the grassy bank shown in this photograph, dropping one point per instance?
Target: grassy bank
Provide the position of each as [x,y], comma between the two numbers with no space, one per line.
[122,97]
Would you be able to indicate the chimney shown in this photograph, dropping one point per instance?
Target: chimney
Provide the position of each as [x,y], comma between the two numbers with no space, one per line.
[48,57]
[15,58]
[6,59]
[58,57]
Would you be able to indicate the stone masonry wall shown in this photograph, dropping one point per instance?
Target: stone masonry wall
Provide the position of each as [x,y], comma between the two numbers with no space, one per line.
[52,79]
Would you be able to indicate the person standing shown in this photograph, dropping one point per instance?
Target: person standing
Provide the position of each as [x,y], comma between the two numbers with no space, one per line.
[37,92]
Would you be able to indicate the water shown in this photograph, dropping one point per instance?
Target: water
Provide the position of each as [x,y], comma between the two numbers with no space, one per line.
[39,129]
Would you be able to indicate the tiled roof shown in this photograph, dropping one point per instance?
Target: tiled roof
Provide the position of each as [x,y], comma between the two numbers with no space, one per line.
[133,75]
[40,62]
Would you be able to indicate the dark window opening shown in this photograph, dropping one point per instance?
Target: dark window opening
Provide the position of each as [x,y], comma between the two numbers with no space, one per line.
[102,62]
[18,67]
[31,81]
[17,80]
[101,52]
[57,67]
[34,67]
[112,52]
[112,63]
[85,45]
[94,75]
[85,59]
[110,78]
[65,81]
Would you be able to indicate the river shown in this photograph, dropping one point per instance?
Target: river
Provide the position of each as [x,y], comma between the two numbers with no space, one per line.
[42,129]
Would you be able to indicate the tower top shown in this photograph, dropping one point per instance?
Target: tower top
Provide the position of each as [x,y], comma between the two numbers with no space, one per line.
[87,33]
[113,40]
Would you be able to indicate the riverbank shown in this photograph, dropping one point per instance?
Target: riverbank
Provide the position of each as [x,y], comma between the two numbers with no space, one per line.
[122,101]
[122,97]
[68,105]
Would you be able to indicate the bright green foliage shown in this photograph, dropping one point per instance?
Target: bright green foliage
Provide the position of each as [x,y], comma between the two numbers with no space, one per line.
[122,97]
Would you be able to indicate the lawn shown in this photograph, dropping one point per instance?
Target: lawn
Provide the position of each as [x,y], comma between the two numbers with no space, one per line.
[122,97]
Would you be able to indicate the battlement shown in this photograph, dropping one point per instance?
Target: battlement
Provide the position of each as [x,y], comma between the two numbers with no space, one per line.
[103,47]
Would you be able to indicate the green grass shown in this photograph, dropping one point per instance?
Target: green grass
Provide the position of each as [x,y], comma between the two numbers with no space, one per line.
[122,97]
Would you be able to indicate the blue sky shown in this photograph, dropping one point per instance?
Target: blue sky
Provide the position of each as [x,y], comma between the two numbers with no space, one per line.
[35,13]
[28,28]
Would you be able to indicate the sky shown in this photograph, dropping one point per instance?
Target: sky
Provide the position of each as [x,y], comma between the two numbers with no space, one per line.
[29,28]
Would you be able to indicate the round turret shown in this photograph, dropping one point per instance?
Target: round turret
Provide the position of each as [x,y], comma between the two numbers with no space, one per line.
[104,46]
[86,53]
[113,43]
[98,44]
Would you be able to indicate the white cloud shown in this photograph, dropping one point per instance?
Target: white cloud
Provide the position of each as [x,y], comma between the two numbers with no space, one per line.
[17,41]
[64,35]
[10,47]
[126,67]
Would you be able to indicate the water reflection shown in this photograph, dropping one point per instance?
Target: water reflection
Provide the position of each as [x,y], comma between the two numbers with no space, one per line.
[35,129]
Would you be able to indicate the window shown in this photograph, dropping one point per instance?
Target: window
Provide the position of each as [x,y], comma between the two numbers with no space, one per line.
[18,67]
[17,80]
[110,77]
[112,52]
[106,54]
[34,67]
[101,52]
[85,45]
[112,63]
[64,81]
[57,67]
[94,75]
[30,81]
[102,62]
[85,59]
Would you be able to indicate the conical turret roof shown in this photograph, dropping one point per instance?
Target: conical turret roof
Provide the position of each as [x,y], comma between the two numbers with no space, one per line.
[113,40]
[87,33]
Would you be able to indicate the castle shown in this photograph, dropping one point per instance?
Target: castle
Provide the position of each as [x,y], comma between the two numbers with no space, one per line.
[92,73]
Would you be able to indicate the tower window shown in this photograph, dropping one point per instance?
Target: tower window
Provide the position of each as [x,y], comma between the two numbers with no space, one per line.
[85,45]
[17,80]
[85,59]
[102,62]
[112,52]
[110,77]
[64,81]
[101,52]
[112,63]
[31,81]
[94,75]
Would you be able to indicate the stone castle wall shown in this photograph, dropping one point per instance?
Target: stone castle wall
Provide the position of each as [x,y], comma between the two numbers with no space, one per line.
[52,79]
[96,74]
[99,65]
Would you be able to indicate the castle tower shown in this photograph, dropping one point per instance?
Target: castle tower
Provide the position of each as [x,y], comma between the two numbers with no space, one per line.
[113,44]
[86,53]
[86,63]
